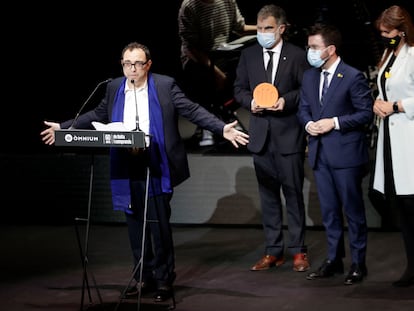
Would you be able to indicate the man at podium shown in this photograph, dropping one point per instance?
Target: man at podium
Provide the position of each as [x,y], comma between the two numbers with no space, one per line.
[151,103]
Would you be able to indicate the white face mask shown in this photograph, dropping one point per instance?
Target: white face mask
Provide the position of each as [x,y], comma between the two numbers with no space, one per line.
[314,58]
[266,39]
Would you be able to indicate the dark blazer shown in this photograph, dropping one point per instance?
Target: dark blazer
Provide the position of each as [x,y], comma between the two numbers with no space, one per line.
[348,98]
[290,136]
[173,103]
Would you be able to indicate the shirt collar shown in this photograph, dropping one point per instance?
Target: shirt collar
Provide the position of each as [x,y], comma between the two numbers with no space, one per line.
[333,67]
[276,49]
[127,89]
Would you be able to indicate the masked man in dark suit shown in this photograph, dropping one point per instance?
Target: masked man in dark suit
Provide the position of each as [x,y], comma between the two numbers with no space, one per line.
[335,108]
[277,140]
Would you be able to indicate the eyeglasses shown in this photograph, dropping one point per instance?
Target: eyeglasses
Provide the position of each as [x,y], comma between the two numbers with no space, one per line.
[137,64]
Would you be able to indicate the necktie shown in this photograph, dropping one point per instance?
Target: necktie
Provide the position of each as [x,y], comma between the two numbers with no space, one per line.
[325,85]
[269,67]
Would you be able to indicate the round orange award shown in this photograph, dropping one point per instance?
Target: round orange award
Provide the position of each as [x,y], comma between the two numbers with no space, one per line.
[265,95]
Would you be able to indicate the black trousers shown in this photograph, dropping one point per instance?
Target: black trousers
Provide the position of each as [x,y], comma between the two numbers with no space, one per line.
[276,172]
[159,258]
[406,209]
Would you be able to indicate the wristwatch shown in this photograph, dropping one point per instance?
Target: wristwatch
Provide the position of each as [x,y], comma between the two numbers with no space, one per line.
[395,107]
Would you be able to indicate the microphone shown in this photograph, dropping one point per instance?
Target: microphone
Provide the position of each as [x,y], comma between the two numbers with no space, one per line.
[136,108]
[87,100]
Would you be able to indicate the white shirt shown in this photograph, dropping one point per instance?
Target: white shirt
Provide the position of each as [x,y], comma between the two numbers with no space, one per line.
[331,71]
[276,56]
[134,103]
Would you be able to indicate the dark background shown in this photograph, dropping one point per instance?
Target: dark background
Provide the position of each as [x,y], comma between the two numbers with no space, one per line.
[54,55]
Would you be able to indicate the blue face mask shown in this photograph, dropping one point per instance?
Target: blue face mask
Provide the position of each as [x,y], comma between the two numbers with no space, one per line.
[266,39]
[314,58]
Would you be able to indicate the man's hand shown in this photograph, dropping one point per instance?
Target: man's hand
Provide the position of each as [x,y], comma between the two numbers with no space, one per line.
[321,126]
[235,136]
[48,135]
[255,108]
[279,105]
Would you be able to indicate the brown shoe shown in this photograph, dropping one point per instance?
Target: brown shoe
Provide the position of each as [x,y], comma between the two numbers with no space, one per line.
[267,262]
[300,262]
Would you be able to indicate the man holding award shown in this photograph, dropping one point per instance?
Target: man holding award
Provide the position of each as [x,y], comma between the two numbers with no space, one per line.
[277,140]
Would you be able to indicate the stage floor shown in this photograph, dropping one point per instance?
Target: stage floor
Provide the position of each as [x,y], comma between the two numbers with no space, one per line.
[42,270]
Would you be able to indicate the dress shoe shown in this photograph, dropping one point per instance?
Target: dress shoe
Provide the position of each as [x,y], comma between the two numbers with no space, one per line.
[163,293]
[267,262]
[405,281]
[300,262]
[356,274]
[327,269]
[146,288]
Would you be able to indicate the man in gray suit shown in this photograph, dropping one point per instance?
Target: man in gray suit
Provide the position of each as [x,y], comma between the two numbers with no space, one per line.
[277,140]
[156,102]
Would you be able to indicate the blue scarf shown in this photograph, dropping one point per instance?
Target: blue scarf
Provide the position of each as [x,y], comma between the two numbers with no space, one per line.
[159,181]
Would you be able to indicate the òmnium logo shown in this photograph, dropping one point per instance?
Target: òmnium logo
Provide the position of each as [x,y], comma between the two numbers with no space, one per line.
[68,138]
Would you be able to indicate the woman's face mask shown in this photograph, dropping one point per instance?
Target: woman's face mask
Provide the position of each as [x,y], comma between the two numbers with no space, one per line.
[391,43]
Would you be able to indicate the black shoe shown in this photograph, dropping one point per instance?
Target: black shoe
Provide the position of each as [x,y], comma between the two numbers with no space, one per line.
[146,288]
[405,281]
[131,291]
[163,293]
[329,268]
[356,274]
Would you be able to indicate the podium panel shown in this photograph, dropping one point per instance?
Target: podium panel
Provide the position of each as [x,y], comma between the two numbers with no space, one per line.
[94,138]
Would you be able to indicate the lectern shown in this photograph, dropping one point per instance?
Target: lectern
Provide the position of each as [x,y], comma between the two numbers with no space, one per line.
[92,139]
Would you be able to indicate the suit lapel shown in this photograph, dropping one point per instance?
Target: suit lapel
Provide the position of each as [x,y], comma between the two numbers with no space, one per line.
[315,86]
[336,80]
[281,66]
[257,63]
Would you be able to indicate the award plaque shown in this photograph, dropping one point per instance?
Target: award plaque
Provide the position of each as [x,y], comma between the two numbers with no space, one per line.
[265,95]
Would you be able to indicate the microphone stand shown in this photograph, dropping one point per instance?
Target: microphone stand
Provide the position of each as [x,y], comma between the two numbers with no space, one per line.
[84,250]
[140,264]
[136,108]
[87,101]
